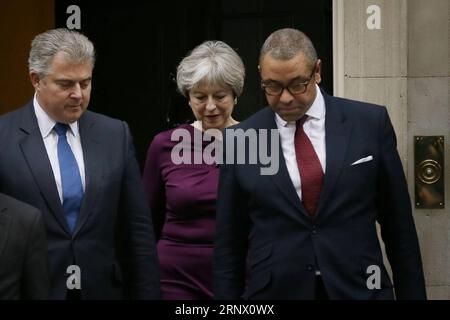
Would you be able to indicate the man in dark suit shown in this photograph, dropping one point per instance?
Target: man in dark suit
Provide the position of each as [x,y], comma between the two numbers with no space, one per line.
[309,230]
[79,168]
[23,252]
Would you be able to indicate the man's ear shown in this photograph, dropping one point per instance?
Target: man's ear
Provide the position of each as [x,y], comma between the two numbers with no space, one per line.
[318,73]
[34,77]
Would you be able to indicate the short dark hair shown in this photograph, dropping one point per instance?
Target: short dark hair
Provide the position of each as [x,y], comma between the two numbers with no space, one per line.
[284,44]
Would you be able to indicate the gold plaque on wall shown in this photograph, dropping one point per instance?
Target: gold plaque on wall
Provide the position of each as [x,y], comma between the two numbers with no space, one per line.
[429,172]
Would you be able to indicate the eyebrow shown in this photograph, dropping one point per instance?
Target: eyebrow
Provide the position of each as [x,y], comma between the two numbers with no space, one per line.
[73,81]
[270,81]
[214,93]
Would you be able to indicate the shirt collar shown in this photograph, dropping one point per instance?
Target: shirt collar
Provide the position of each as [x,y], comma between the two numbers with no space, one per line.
[46,123]
[316,111]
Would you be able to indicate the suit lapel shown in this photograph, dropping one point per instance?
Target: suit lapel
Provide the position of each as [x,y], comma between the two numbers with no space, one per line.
[34,151]
[5,224]
[284,183]
[337,134]
[282,179]
[93,168]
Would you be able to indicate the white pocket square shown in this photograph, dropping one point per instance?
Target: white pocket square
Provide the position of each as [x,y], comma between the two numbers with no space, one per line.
[362,160]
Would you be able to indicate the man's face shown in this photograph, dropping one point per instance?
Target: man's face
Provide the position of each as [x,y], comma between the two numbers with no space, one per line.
[64,94]
[289,73]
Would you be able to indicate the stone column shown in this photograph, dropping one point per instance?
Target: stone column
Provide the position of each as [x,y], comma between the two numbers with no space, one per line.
[402,61]
[428,93]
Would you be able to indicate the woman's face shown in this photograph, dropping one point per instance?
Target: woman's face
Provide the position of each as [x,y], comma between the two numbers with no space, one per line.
[212,105]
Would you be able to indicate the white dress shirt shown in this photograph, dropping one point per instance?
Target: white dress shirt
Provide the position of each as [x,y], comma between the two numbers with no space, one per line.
[314,128]
[50,138]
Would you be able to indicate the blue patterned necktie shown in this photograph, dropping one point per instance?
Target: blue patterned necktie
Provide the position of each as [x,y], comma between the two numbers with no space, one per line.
[70,177]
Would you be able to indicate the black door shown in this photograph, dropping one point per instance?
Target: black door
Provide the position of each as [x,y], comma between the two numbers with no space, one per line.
[139,46]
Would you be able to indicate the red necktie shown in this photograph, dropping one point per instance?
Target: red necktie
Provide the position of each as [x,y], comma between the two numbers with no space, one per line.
[311,173]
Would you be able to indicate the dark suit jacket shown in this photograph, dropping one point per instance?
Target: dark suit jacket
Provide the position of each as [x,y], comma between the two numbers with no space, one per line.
[23,252]
[264,215]
[113,242]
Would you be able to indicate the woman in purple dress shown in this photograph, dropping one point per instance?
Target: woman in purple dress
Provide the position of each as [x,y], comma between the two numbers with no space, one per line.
[184,195]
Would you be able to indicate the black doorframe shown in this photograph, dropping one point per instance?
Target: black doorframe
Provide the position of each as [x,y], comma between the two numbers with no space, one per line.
[139,44]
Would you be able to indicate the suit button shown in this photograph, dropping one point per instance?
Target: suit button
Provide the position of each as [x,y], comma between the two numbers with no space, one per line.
[314,231]
[310,267]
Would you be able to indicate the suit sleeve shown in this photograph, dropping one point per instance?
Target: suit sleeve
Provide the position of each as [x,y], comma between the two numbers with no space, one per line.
[35,284]
[396,220]
[140,249]
[154,185]
[231,241]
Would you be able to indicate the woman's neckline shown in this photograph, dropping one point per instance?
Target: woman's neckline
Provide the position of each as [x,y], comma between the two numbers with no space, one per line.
[198,125]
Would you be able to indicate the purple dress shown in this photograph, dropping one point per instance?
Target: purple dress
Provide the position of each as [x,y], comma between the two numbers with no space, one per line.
[184,197]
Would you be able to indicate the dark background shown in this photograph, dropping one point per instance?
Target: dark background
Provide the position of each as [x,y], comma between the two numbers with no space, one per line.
[139,45]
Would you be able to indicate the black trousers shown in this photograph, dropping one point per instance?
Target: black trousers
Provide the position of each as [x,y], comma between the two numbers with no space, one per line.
[321,293]
[73,294]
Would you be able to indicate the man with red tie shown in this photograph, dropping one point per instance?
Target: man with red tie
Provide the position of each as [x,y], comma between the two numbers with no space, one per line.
[309,230]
